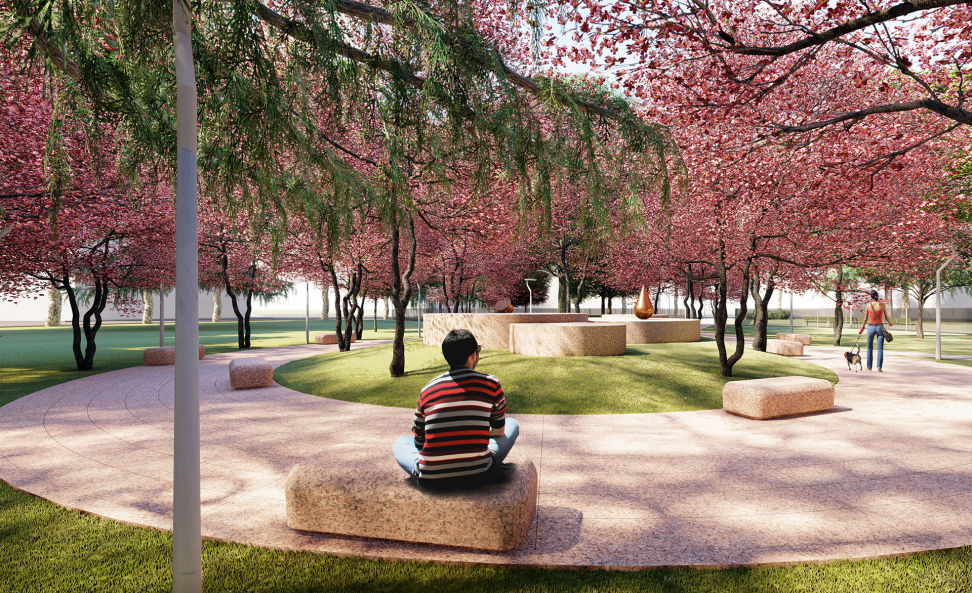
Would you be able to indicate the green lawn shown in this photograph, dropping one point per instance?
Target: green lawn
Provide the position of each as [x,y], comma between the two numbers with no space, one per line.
[956,337]
[32,358]
[650,378]
[45,548]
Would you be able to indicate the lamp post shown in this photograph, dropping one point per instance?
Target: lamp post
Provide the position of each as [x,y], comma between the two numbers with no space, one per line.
[791,311]
[420,312]
[938,305]
[528,280]
[161,318]
[186,515]
[307,313]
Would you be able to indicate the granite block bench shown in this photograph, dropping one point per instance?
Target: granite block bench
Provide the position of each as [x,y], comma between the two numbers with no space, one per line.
[375,499]
[660,330]
[761,399]
[567,339]
[164,356]
[250,373]
[784,347]
[330,338]
[805,339]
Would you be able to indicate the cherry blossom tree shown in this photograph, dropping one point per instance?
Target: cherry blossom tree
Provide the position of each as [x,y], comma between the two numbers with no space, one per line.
[94,248]
[236,255]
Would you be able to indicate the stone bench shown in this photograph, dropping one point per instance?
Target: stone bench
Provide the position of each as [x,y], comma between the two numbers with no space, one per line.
[777,396]
[567,339]
[660,330]
[250,373]
[377,500]
[330,338]
[805,339]
[784,347]
[164,356]
[492,330]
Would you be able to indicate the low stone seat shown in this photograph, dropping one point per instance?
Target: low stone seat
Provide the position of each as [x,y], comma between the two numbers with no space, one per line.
[805,339]
[777,396]
[784,347]
[376,499]
[164,356]
[660,330]
[567,339]
[250,373]
[330,338]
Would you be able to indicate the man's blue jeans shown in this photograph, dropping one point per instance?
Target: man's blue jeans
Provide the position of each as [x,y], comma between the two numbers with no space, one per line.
[874,329]
[407,455]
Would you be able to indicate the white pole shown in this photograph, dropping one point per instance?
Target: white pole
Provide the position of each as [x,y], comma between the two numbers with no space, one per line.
[161,318]
[307,314]
[791,311]
[186,535]
[938,306]
[419,303]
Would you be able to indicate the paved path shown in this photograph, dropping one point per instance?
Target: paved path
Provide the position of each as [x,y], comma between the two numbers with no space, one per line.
[887,472]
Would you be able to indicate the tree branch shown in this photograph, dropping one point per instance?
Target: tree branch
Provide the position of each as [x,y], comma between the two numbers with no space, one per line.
[954,113]
[373,14]
[868,20]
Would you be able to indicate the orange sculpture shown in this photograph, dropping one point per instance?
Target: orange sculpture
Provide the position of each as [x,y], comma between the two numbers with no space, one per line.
[643,308]
[503,306]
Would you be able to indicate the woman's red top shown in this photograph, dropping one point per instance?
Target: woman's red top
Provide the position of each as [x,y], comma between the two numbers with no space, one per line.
[874,317]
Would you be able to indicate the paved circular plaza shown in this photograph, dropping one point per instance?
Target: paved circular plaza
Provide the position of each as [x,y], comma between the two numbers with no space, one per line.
[887,472]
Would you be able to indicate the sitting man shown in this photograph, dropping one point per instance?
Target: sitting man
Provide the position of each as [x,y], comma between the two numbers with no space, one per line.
[461,431]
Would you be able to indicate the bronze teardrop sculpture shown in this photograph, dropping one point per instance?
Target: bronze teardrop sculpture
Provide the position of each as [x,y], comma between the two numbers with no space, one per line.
[643,308]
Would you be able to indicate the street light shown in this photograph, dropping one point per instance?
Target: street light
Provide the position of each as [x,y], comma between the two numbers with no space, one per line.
[528,280]
[791,311]
[938,305]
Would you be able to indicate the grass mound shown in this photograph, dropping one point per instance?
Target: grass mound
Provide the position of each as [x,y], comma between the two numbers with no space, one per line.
[649,378]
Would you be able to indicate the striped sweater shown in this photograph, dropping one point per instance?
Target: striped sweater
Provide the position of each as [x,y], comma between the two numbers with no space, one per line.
[455,413]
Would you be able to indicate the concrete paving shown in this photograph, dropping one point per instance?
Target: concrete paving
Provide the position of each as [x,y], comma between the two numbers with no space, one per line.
[887,472]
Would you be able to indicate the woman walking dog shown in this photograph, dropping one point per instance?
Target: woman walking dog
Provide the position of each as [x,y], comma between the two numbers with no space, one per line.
[875,314]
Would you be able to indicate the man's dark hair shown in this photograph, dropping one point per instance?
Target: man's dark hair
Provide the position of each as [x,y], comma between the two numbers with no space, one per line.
[457,346]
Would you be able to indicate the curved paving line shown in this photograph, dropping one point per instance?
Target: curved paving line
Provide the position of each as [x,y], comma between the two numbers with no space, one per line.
[888,474]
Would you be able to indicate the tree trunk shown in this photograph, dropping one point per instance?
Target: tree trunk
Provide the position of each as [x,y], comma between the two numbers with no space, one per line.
[401,292]
[919,320]
[658,292]
[888,296]
[761,313]
[53,307]
[610,304]
[217,305]
[562,306]
[839,306]
[602,304]
[325,305]
[81,325]
[376,315]
[338,314]
[690,296]
[349,307]
[146,307]
[726,362]
[246,318]
[359,320]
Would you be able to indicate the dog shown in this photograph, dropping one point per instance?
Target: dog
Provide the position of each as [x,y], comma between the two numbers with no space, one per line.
[854,357]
